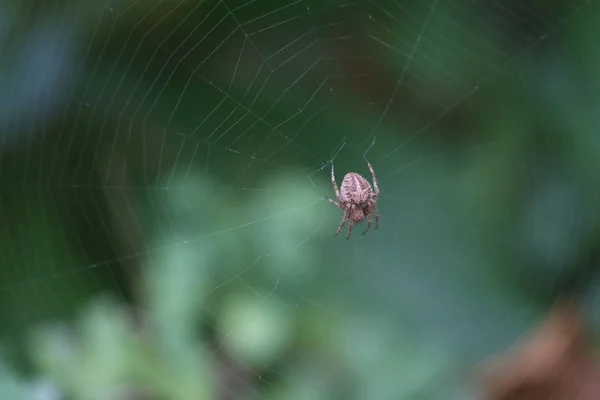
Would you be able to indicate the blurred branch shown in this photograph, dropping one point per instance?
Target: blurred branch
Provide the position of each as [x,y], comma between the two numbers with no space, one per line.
[556,362]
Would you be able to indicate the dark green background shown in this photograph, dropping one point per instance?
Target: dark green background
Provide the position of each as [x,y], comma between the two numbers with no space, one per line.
[174,218]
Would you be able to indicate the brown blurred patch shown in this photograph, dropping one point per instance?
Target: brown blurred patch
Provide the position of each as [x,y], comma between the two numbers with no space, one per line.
[555,362]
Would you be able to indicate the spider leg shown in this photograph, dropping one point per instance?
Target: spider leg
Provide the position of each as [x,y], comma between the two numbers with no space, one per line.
[369,221]
[339,229]
[376,217]
[350,226]
[334,183]
[375,185]
[332,201]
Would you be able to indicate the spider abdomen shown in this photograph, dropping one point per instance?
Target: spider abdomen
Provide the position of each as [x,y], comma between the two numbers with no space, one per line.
[355,188]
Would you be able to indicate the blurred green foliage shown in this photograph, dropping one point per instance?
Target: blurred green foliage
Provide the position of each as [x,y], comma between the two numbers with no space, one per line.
[164,232]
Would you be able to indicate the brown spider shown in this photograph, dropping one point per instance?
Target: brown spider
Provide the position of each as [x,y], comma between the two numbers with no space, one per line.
[357,199]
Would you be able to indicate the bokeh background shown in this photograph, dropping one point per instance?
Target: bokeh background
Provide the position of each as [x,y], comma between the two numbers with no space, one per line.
[163,167]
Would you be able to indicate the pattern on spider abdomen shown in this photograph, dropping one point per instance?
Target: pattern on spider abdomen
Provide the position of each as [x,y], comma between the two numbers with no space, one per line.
[355,188]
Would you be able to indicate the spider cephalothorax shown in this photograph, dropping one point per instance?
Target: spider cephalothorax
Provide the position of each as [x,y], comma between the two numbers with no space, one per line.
[357,198]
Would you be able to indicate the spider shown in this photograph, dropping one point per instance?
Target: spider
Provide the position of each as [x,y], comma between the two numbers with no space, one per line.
[357,199]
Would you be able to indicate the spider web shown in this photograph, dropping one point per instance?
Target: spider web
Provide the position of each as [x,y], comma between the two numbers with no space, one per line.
[173,90]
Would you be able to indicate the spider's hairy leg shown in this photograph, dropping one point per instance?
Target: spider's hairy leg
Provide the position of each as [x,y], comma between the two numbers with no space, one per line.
[350,226]
[375,185]
[376,217]
[332,201]
[339,229]
[334,183]
[369,221]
